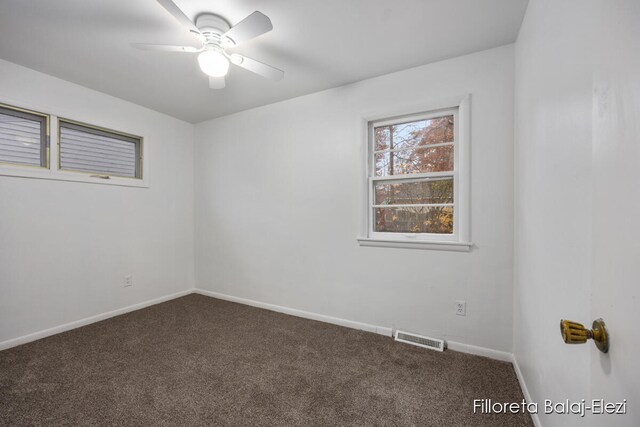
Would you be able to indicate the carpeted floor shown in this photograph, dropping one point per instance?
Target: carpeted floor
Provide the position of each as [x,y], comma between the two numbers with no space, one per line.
[202,361]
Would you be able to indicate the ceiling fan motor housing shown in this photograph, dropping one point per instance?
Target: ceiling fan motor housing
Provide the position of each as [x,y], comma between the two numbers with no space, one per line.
[212,27]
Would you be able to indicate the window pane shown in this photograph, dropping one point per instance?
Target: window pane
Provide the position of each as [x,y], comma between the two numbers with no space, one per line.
[437,159]
[414,134]
[21,138]
[418,192]
[414,220]
[87,150]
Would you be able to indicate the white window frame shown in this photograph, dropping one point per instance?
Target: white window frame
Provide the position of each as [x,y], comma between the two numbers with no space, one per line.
[138,142]
[44,138]
[459,107]
[53,171]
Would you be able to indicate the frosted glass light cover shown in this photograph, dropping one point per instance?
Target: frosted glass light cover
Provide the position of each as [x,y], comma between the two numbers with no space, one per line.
[213,63]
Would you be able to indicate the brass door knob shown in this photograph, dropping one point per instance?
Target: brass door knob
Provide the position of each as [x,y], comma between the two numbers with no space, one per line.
[576,333]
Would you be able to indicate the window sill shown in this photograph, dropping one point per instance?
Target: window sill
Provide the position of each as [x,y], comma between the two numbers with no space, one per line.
[416,244]
[43,173]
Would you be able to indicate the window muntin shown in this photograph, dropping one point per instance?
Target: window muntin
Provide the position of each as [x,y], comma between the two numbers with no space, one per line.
[414,192]
[23,137]
[413,180]
[419,160]
[89,149]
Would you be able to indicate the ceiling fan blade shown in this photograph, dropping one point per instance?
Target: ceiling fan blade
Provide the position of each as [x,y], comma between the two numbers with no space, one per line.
[216,82]
[250,27]
[166,48]
[177,13]
[257,67]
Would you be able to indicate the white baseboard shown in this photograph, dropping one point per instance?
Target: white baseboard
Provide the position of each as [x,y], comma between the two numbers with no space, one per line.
[525,391]
[452,345]
[382,330]
[300,313]
[480,351]
[88,320]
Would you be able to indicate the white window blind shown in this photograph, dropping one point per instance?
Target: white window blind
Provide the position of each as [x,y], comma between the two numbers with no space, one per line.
[23,137]
[87,149]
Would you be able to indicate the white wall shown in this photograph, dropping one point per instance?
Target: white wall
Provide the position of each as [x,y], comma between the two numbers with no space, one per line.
[576,204]
[279,204]
[65,246]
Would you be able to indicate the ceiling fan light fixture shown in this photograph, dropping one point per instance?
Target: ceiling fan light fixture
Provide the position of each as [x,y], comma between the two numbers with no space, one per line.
[213,63]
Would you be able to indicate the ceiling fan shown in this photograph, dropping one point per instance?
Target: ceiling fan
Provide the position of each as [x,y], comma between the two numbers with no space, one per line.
[216,36]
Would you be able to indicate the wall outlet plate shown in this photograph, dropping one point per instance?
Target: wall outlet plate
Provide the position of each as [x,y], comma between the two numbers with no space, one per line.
[461,308]
[127,281]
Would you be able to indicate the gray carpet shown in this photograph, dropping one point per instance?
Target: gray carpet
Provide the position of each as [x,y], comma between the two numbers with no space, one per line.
[201,361]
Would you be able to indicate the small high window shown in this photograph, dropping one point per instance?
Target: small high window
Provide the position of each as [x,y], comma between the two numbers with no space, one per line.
[102,152]
[23,137]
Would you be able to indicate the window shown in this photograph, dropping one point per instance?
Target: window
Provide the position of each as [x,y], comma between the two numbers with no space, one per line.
[418,181]
[413,182]
[102,152]
[82,152]
[23,137]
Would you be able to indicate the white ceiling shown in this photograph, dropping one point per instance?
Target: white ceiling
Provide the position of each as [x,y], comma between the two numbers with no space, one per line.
[319,44]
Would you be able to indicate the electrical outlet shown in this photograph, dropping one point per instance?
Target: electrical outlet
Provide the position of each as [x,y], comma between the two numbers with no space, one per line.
[128,281]
[461,308]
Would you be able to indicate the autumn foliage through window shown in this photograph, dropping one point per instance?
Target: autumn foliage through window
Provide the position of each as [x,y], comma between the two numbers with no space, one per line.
[413,175]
